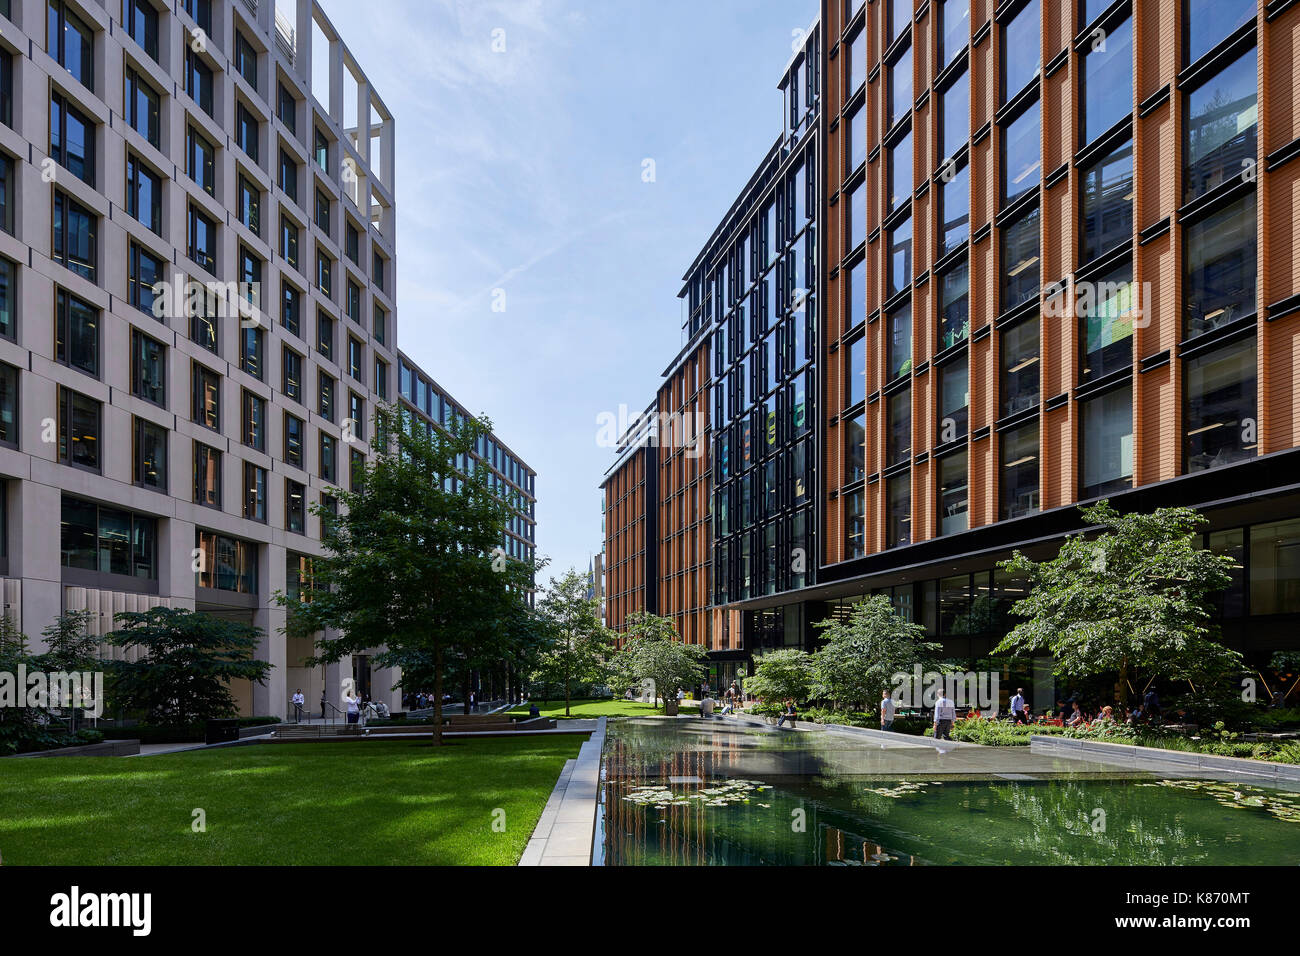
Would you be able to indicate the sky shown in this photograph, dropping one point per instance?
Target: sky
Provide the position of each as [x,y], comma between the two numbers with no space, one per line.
[523,130]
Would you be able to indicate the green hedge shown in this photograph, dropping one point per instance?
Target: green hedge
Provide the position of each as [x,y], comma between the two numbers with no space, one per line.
[26,740]
[1004,733]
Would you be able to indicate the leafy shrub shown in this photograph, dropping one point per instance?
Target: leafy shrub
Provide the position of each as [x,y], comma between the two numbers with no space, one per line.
[1270,720]
[16,739]
[997,733]
[1279,751]
[1102,730]
[1207,709]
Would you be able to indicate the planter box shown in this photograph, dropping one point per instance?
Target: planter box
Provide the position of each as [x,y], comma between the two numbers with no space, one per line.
[107,748]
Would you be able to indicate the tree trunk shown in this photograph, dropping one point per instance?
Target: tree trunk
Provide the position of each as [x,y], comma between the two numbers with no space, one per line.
[437,697]
[568,677]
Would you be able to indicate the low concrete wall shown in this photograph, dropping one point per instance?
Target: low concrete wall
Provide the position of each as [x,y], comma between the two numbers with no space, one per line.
[108,748]
[762,721]
[1157,758]
[258,730]
[894,737]
[567,828]
[869,733]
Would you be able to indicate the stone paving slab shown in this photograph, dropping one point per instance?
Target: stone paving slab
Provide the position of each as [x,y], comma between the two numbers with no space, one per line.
[567,826]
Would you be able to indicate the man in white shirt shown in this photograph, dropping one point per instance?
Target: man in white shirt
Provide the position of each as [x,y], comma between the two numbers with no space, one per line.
[298,701]
[1018,707]
[945,712]
[886,711]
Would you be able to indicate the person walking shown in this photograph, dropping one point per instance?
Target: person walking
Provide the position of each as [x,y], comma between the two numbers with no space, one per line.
[886,711]
[1018,713]
[1151,704]
[323,701]
[945,712]
[298,702]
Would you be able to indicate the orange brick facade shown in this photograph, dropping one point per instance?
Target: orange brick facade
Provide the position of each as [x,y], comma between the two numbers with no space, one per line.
[1158,142]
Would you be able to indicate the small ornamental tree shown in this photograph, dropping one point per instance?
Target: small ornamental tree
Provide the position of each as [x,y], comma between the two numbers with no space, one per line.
[413,562]
[69,644]
[652,651]
[863,652]
[782,674]
[17,721]
[1132,600]
[578,644]
[186,664]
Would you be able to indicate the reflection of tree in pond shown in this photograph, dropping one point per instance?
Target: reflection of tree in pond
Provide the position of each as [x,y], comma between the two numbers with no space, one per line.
[1096,827]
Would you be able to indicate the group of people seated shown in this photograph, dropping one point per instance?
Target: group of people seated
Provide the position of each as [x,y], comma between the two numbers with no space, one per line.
[1075,713]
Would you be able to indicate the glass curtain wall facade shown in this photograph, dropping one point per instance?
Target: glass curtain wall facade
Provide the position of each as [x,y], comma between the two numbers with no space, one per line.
[508,475]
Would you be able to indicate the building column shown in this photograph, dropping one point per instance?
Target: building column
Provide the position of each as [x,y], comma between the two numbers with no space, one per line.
[35,558]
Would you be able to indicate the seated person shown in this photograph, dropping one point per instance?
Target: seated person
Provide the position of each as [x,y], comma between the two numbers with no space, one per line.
[791,714]
[1077,718]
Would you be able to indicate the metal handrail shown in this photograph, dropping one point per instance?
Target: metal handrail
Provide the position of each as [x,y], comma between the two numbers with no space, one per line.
[335,709]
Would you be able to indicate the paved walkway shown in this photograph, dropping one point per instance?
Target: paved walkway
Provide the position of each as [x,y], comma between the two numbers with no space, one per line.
[567,828]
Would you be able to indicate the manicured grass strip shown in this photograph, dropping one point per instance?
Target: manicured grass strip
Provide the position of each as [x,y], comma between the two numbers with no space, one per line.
[595,708]
[378,803]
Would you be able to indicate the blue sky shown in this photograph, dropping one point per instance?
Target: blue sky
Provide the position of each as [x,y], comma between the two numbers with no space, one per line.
[522,171]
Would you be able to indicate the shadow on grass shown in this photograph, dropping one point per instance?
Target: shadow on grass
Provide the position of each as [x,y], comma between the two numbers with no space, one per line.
[373,803]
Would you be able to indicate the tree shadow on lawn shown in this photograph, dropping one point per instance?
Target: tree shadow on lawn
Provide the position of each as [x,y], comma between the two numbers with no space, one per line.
[365,806]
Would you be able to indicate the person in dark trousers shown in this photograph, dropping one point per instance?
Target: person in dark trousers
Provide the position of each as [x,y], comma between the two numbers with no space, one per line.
[945,713]
[322,703]
[1018,711]
[1151,704]
[298,702]
[790,714]
[534,710]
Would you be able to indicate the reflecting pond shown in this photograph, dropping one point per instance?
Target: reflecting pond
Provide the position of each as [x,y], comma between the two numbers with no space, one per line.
[700,792]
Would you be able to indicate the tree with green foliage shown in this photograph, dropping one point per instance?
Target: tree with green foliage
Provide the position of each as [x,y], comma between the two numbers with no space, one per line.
[782,674]
[17,723]
[1132,599]
[413,561]
[864,651]
[186,663]
[69,644]
[579,645]
[653,651]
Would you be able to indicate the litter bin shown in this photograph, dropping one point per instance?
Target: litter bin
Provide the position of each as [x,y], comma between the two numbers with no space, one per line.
[221,731]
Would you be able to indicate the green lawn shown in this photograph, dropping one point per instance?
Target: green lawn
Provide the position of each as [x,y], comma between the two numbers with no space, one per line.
[351,803]
[596,708]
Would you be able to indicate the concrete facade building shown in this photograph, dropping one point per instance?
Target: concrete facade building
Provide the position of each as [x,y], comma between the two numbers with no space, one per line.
[197,315]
